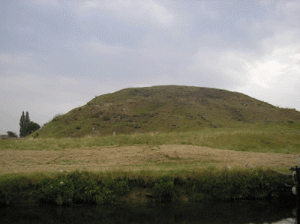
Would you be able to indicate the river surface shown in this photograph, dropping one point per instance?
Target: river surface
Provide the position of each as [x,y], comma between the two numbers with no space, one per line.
[245,212]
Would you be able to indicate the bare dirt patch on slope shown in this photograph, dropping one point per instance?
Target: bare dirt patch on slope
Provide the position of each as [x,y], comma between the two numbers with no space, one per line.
[136,158]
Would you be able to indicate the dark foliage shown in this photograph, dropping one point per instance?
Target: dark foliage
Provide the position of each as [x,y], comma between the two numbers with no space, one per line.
[27,127]
[11,134]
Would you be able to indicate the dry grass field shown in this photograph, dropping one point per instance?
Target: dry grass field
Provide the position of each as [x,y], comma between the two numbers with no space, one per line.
[161,158]
[269,146]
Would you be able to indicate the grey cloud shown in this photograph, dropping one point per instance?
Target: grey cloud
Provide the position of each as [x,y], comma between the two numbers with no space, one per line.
[72,51]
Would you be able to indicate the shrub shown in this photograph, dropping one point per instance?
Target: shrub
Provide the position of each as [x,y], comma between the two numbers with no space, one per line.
[12,189]
[11,134]
[164,189]
[110,189]
[235,185]
[59,190]
[80,187]
[86,188]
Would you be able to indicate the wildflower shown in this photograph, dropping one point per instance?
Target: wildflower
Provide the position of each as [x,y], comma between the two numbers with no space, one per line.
[61,182]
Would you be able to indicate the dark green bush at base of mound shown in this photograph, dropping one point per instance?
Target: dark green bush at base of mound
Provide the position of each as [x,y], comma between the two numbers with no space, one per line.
[164,190]
[238,185]
[87,187]
[11,189]
[80,187]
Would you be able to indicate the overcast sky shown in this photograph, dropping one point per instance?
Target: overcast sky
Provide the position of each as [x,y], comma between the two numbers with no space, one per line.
[58,55]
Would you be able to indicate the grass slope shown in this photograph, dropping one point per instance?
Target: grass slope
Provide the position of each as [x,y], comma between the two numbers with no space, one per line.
[165,109]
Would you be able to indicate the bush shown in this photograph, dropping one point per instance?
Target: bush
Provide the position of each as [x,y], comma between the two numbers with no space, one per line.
[59,190]
[235,185]
[164,189]
[80,187]
[110,189]
[11,134]
[12,189]
[86,188]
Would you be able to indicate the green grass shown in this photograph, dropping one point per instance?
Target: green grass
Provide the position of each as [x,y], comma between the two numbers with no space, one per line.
[253,138]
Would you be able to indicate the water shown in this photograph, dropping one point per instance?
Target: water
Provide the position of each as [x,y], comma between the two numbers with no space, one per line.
[216,213]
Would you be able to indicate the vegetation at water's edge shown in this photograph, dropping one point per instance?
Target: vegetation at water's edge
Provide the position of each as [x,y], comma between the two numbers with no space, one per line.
[107,188]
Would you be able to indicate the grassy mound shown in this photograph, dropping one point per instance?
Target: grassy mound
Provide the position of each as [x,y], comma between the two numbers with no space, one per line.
[164,109]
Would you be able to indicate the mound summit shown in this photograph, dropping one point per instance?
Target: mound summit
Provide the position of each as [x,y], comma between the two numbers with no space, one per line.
[164,109]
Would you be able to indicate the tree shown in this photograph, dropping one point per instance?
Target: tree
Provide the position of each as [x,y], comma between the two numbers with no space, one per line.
[27,121]
[11,134]
[23,125]
[33,127]
[26,126]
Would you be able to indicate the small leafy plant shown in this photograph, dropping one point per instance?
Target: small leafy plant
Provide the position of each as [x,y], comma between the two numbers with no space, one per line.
[164,189]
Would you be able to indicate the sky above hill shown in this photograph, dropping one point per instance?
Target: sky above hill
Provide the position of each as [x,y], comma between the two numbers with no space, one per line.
[58,55]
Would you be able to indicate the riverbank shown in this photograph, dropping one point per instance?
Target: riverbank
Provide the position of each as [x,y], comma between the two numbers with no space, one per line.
[187,166]
[211,184]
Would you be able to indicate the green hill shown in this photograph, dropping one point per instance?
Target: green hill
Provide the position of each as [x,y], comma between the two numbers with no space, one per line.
[165,109]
